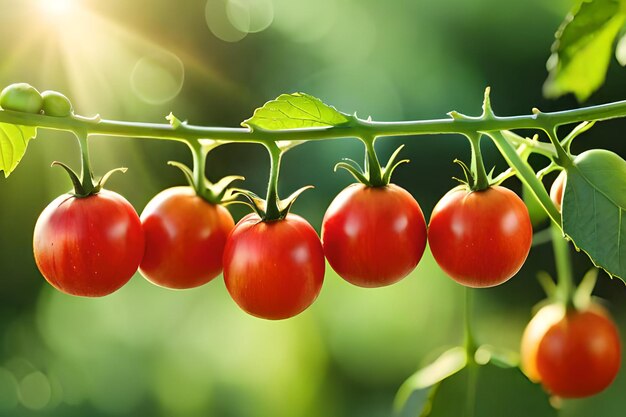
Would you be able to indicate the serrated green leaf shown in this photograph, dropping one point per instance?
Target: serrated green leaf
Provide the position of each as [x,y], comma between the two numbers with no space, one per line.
[583,48]
[13,142]
[594,208]
[294,111]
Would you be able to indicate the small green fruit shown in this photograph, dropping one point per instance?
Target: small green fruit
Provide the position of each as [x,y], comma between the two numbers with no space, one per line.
[56,104]
[21,97]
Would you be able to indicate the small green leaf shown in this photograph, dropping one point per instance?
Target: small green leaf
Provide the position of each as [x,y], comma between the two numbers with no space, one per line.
[294,111]
[594,208]
[583,46]
[13,142]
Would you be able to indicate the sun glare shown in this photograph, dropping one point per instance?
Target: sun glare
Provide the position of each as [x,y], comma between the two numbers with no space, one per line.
[57,8]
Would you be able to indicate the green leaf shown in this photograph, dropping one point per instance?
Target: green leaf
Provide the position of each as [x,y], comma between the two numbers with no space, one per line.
[582,50]
[620,51]
[417,391]
[294,111]
[13,142]
[594,208]
[490,389]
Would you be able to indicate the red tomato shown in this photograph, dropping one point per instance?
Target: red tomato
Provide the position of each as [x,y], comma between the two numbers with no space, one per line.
[573,354]
[88,246]
[373,236]
[273,270]
[480,238]
[556,191]
[185,238]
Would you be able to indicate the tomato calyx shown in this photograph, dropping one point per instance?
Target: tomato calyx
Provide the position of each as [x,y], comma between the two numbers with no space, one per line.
[86,186]
[260,205]
[373,175]
[219,192]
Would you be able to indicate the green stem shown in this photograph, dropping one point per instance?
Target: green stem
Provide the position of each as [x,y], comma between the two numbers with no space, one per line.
[525,173]
[465,125]
[481,181]
[272,209]
[562,257]
[470,341]
[199,155]
[86,175]
[374,170]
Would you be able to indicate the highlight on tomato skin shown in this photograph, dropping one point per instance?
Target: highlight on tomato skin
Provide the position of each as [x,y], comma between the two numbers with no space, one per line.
[273,270]
[574,354]
[480,238]
[373,236]
[185,239]
[88,246]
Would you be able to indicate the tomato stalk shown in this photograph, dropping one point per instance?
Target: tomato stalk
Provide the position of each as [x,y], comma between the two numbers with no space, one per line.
[272,209]
[525,173]
[565,282]
[480,179]
[86,172]
[373,169]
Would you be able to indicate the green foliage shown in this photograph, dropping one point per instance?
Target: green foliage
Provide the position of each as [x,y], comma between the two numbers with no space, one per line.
[477,387]
[294,111]
[620,51]
[594,206]
[583,46]
[13,142]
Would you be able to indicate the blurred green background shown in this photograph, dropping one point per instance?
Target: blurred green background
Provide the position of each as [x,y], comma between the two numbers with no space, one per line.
[147,351]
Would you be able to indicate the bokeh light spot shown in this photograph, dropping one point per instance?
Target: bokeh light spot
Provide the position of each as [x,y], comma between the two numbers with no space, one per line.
[250,15]
[35,391]
[219,24]
[158,78]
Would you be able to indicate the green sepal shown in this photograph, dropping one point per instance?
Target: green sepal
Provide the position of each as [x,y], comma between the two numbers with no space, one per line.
[285,205]
[256,203]
[259,205]
[105,178]
[79,190]
[220,190]
[214,193]
[353,168]
[392,165]
[186,171]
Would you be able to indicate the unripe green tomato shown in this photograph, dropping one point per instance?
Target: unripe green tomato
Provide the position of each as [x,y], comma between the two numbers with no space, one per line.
[21,97]
[56,104]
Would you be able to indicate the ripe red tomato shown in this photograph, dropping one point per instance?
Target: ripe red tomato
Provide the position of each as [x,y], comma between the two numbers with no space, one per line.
[273,270]
[88,246]
[373,236]
[480,238]
[556,191]
[185,238]
[573,354]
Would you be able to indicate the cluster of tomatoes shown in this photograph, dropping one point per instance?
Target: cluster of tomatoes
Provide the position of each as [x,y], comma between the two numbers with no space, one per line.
[371,236]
